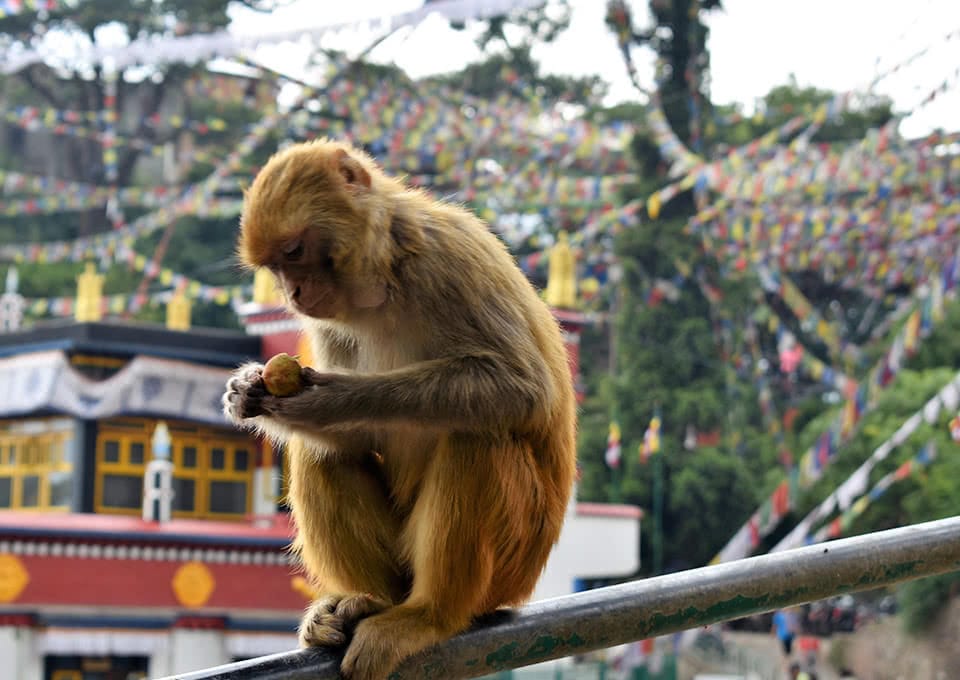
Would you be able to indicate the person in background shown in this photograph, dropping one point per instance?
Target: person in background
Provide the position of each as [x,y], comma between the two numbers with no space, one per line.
[808,648]
[785,628]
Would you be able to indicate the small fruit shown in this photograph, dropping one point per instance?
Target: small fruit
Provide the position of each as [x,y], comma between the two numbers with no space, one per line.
[281,375]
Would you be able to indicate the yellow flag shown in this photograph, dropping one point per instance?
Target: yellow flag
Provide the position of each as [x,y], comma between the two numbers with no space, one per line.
[653,206]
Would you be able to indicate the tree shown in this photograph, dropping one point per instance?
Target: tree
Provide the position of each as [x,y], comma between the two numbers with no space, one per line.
[689,354]
[140,93]
[507,42]
[679,38]
[144,100]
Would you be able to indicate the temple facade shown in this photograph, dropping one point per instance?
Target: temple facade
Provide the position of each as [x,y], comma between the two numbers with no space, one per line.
[141,535]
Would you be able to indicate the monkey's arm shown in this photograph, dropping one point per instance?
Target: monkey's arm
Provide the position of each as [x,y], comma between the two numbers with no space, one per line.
[472,391]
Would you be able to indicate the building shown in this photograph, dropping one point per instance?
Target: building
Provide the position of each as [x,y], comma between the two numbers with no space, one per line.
[97,582]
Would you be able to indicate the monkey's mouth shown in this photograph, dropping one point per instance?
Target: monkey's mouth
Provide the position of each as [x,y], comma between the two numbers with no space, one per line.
[324,308]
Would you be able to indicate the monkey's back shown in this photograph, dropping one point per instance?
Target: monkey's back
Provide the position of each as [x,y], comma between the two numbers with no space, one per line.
[487,301]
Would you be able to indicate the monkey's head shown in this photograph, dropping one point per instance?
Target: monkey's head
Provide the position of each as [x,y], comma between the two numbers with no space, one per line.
[315,218]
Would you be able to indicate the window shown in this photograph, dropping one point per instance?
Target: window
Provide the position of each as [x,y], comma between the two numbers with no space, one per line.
[35,464]
[212,469]
[57,667]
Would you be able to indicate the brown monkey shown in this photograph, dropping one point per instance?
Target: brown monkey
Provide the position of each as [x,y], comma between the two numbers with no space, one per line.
[432,455]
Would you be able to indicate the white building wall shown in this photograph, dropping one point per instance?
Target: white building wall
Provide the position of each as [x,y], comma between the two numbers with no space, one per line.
[590,546]
[193,650]
[170,652]
[18,654]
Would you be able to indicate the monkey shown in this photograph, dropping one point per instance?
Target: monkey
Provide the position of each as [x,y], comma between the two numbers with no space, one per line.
[432,452]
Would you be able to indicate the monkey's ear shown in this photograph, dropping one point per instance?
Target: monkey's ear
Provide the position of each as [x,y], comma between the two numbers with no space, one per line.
[351,170]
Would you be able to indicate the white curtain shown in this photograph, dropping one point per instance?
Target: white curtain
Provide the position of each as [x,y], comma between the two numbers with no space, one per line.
[159,387]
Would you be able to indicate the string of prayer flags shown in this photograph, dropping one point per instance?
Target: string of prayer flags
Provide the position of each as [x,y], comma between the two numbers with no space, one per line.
[942,287]
[10,8]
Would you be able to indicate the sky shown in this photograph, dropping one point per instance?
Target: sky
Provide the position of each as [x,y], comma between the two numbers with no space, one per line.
[754,45]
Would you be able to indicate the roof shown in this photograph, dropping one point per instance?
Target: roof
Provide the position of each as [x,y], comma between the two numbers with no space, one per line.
[20,524]
[213,346]
[277,532]
[608,510]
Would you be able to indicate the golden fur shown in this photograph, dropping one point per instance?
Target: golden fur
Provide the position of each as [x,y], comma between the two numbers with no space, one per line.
[432,455]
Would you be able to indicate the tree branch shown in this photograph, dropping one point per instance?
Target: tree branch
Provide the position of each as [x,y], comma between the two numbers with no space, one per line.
[130,155]
[259,6]
[27,75]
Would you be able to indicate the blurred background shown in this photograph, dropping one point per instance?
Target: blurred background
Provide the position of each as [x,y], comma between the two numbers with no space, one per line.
[743,213]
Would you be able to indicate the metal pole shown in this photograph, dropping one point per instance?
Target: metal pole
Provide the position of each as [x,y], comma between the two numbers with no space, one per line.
[658,512]
[602,618]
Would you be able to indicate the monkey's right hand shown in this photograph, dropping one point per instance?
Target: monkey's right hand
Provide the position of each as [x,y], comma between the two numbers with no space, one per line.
[245,392]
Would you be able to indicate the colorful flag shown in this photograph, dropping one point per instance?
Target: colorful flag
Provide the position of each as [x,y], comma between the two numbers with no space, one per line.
[651,440]
[955,428]
[612,457]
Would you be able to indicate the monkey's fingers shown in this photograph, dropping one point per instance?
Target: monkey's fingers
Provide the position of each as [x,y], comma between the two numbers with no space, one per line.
[251,403]
[314,377]
[322,626]
[242,400]
[356,607]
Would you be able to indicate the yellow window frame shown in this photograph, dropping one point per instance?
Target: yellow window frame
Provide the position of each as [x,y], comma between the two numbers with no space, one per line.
[229,473]
[183,435]
[124,432]
[35,454]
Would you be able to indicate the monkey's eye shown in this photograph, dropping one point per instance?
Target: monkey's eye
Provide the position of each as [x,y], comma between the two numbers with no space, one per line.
[294,251]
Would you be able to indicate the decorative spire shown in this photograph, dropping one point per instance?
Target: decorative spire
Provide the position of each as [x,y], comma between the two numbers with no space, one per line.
[12,304]
[561,291]
[178,312]
[265,288]
[89,295]
[13,280]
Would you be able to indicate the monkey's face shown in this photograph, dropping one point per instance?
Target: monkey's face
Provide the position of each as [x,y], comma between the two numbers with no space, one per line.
[307,275]
[305,219]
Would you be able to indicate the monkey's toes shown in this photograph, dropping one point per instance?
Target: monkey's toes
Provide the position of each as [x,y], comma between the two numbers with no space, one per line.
[353,608]
[332,618]
[321,628]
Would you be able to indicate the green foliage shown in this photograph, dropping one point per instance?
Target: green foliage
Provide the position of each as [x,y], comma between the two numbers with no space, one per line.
[514,71]
[920,601]
[526,27]
[707,487]
[678,354]
[139,18]
[200,248]
[507,41]
[942,348]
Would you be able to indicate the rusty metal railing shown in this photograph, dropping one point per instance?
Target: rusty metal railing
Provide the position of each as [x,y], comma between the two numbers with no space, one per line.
[602,618]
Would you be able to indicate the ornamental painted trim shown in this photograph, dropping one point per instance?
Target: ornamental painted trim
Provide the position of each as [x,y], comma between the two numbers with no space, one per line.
[271,327]
[100,551]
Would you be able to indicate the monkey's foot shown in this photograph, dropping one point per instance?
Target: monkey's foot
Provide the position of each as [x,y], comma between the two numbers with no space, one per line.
[331,619]
[381,642]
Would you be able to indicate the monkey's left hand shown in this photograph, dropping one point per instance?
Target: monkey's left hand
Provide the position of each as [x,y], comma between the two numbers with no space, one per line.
[320,403]
[315,406]
[245,392]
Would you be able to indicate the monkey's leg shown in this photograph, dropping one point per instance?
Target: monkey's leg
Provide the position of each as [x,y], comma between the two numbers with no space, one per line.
[347,538]
[467,513]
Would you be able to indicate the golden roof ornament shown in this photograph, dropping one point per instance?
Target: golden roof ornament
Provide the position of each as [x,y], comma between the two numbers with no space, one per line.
[178,312]
[265,288]
[89,295]
[561,291]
